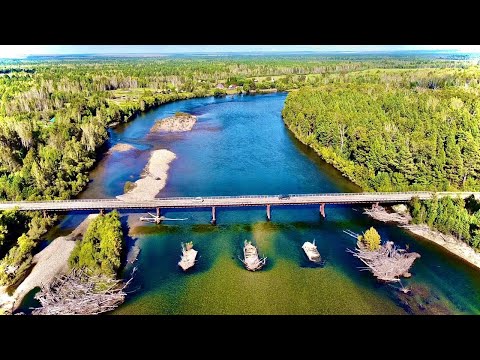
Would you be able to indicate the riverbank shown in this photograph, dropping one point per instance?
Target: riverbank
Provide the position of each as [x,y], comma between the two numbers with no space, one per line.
[448,242]
[154,177]
[328,157]
[47,264]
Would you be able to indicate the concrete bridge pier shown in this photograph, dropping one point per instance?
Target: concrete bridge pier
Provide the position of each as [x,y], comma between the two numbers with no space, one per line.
[44,214]
[214,218]
[102,212]
[374,205]
[158,219]
[269,215]
[322,210]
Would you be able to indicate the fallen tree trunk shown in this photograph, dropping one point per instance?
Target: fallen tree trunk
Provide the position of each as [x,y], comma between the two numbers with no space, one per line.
[388,263]
[79,293]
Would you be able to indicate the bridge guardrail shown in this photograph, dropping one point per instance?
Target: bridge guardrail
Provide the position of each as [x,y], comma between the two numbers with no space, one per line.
[192,198]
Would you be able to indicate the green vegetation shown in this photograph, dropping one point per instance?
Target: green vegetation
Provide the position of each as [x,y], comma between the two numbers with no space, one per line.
[450,216]
[19,233]
[45,159]
[100,249]
[129,186]
[370,238]
[219,92]
[394,135]
[180,113]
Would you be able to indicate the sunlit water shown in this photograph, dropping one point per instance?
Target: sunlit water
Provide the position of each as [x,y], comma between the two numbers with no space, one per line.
[241,146]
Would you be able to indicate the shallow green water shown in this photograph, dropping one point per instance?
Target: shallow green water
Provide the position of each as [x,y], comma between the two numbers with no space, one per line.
[241,146]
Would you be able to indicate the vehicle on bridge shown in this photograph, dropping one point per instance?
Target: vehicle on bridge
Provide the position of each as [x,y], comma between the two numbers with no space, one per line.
[198,198]
[283,197]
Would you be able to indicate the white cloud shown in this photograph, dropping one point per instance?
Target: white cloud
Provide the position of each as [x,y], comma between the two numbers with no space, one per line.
[20,51]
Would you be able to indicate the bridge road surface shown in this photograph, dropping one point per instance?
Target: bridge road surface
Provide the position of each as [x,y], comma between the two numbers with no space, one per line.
[227,201]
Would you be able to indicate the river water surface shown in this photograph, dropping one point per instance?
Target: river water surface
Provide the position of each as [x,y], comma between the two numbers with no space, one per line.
[241,146]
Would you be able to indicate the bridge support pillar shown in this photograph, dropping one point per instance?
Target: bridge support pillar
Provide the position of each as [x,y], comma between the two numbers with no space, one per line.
[374,205]
[269,215]
[158,212]
[102,211]
[44,214]
[322,210]
[214,217]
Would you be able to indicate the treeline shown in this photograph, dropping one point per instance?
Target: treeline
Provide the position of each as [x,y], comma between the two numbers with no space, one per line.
[389,138]
[450,216]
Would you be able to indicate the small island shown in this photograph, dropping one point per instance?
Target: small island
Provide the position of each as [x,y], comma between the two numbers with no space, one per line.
[178,123]
[385,261]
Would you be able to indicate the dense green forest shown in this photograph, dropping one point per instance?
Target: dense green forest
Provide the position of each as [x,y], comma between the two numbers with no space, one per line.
[100,249]
[395,130]
[55,115]
[456,216]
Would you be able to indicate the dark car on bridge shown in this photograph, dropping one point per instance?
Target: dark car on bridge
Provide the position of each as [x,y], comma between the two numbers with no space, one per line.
[284,197]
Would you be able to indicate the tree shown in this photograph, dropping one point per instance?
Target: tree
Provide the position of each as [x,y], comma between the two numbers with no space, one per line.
[219,92]
[371,239]
[454,163]
[405,162]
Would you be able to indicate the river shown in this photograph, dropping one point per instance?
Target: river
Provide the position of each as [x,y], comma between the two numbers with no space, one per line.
[241,146]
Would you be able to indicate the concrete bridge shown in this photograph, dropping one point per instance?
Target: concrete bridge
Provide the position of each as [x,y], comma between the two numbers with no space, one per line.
[213,202]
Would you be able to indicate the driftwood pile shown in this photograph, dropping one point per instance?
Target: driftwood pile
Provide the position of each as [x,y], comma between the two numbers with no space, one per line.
[79,293]
[379,213]
[388,263]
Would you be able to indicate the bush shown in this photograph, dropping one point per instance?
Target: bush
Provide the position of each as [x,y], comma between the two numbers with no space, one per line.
[219,93]
[371,239]
[129,186]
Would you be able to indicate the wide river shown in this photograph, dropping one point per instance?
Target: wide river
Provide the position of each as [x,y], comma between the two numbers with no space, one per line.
[241,146]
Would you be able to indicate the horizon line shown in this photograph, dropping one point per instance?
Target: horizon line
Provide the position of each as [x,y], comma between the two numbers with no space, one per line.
[253,52]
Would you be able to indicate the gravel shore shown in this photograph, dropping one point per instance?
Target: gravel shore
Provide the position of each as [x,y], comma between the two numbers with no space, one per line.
[175,124]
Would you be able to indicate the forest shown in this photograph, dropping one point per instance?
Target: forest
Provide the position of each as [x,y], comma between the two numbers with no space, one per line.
[55,116]
[395,130]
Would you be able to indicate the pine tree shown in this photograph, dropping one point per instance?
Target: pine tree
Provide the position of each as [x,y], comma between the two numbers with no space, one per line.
[454,162]
[405,162]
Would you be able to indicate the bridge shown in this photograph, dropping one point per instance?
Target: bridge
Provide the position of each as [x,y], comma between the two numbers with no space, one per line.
[213,202]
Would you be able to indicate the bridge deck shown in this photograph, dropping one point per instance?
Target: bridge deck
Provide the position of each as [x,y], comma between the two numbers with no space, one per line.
[225,201]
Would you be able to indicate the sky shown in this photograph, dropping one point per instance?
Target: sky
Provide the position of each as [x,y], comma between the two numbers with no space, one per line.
[20,51]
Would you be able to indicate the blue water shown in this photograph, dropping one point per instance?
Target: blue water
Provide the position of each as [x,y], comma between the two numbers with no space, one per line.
[241,146]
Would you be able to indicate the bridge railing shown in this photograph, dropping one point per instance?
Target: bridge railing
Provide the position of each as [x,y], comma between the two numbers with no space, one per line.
[192,198]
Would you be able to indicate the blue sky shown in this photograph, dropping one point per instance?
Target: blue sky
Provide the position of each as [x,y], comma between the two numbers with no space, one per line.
[18,51]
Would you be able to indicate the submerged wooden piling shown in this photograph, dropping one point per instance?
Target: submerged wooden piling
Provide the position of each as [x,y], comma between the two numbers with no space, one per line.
[322,210]
[214,218]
